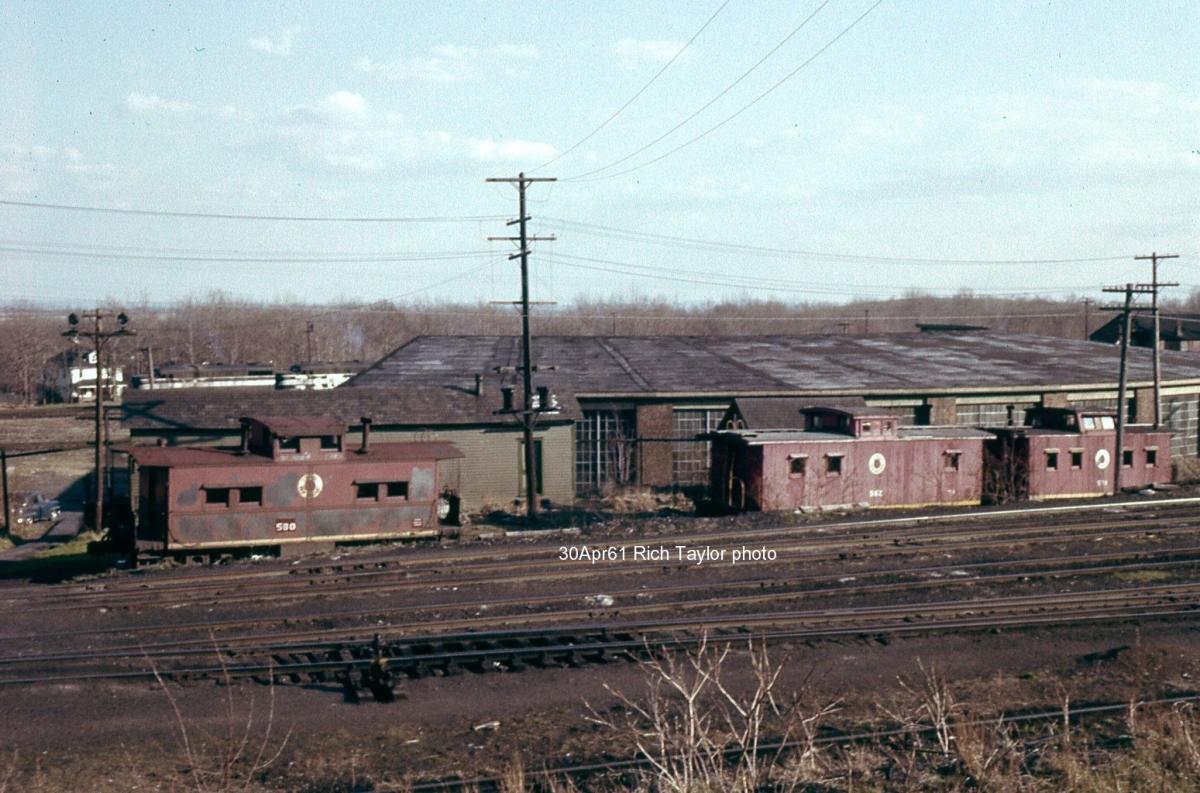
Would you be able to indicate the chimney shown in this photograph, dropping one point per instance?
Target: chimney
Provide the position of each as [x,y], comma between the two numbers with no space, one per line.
[543,394]
[245,437]
[478,385]
[1012,409]
[507,393]
[366,439]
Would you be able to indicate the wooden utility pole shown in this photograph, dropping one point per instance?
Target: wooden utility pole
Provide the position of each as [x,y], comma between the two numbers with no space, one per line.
[1087,317]
[99,337]
[528,414]
[1154,283]
[1126,322]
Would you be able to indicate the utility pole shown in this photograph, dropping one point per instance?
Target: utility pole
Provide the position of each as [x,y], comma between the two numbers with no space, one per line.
[1154,283]
[528,414]
[1087,316]
[149,364]
[99,337]
[1126,322]
[308,332]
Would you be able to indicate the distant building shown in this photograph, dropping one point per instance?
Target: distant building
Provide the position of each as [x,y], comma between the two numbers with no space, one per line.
[1177,331]
[208,375]
[70,376]
[318,376]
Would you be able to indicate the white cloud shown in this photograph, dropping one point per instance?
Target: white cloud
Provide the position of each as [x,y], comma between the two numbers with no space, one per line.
[339,108]
[445,63]
[281,46]
[526,52]
[138,102]
[638,53]
[488,150]
[26,169]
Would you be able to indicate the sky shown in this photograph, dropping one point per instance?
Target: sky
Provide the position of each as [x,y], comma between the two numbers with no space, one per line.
[822,150]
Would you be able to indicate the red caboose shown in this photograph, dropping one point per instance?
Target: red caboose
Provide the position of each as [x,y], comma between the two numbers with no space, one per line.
[1068,453]
[847,456]
[292,481]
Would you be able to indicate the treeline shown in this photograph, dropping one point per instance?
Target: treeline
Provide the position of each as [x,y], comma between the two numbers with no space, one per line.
[223,329]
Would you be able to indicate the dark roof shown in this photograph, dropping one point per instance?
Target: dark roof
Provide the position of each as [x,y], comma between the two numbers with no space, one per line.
[412,406]
[763,413]
[301,426]
[1175,326]
[190,370]
[177,456]
[749,365]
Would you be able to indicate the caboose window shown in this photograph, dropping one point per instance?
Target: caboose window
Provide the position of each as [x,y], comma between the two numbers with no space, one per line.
[1077,458]
[950,460]
[289,444]
[216,496]
[798,466]
[833,465]
[1051,461]
[1127,458]
[397,489]
[1151,456]
[367,491]
[250,496]
[1089,423]
[330,443]
[1108,423]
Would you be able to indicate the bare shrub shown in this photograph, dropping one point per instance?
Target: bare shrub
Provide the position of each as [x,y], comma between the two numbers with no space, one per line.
[698,731]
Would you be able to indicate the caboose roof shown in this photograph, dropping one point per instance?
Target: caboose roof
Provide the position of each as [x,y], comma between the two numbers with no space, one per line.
[300,426]
[198,456]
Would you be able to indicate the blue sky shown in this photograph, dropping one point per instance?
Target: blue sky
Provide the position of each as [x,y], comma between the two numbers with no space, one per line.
[936,130]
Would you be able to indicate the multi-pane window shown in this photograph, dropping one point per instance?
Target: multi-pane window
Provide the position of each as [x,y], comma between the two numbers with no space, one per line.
[993,414]
[1181,415]
[605,449]
[690,457]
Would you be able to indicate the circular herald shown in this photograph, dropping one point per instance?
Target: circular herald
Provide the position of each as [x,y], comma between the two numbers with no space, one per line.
[1102,458]
[310,485]
[877,463]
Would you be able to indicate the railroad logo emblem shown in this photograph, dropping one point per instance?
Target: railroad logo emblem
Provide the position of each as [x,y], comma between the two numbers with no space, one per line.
[1102,459]
[310,485]
[877,463]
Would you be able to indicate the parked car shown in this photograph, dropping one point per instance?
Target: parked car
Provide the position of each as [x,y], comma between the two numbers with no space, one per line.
[28,508]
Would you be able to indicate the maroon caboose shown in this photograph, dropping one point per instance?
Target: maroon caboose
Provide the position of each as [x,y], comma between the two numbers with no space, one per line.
[1069,453]
[292,481]
[846,457]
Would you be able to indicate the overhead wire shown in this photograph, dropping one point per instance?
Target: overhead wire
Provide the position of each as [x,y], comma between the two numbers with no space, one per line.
[629,235]
[737,112]
[234,216]
[430,257]
[634,98]
[710,102]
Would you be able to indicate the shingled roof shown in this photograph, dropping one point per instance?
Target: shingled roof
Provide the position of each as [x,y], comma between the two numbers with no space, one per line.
[1175,326]
[783,413]
[412,406]
[748,365]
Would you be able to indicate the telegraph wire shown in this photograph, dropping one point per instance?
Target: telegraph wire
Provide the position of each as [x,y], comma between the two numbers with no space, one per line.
[429,257]
[735,114]
[749,282]
[710,102]
[634,98]
[232,216]
[628,235]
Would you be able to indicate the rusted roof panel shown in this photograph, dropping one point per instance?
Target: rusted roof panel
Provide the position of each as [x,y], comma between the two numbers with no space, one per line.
[749,364]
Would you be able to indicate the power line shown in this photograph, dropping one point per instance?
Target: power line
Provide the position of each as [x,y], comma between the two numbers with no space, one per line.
[430,257]
[232,216]
[709,278]
[629,235]
[711,101]
[640,91]
[736,113]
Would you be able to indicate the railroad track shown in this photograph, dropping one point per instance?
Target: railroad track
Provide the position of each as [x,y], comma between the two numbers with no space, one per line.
[320,662]
[542,563]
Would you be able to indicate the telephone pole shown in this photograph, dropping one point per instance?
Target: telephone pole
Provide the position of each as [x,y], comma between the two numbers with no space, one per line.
[1087,316]
[99,337]
[1126,320]
[1154,283]
[528,415]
